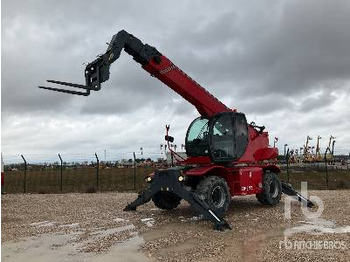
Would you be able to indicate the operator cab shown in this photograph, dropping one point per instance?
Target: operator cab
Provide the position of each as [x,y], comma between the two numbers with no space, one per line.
[223,137]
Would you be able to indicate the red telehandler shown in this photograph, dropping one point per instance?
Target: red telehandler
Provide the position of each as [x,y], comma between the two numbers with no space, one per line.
[226,155]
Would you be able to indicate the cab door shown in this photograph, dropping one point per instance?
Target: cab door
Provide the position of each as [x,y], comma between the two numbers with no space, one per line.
[228,137]
[222,145]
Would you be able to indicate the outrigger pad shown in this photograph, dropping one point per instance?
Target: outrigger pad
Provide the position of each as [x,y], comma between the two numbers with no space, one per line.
[290,191]
[168,180]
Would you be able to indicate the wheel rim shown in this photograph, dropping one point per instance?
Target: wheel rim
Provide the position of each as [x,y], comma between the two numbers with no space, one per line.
[273,189]
[218,196]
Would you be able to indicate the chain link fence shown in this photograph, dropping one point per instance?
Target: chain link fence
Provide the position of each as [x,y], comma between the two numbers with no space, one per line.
[60,177]
[318,175]
[52,179]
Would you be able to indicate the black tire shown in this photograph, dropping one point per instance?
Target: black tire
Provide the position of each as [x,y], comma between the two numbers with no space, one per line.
[215,192]
[272,190]
[166,200]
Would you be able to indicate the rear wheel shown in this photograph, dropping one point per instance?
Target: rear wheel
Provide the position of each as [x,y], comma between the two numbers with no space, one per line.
[215,192]
[166,200]
[272,190]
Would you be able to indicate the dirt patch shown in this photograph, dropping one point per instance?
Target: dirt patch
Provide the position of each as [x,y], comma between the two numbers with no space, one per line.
[79,227]
[60,248]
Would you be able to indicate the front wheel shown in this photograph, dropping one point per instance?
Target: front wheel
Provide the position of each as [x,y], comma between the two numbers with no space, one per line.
[215,193]
[166,200]
[272,190]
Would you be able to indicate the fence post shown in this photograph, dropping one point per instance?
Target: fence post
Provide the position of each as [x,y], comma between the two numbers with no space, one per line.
[61,171]
[134,174]
[325,163]
[97,170]
[25,175]
[287,158]
[2,176]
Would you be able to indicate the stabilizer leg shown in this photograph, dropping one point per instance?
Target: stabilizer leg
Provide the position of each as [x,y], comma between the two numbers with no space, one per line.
[200,206]
[143,197]
[167,180]
[290,191]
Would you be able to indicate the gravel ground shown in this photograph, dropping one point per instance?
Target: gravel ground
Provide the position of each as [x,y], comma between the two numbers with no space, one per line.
[93,227]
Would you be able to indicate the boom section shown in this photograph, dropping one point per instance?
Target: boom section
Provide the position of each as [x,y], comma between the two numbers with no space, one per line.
[153,62]
[184,85]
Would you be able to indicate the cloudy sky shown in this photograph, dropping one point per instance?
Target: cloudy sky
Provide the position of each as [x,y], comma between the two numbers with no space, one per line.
[285,64]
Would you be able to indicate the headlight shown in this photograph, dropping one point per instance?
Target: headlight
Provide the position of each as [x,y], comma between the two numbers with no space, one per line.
[181,178]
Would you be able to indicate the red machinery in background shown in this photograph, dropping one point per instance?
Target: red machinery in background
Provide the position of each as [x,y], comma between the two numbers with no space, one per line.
[226,155]
[2,176]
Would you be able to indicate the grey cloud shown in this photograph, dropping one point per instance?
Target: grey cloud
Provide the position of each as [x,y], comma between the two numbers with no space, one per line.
[291,54]
[318,101]
[268,59]
[263,105]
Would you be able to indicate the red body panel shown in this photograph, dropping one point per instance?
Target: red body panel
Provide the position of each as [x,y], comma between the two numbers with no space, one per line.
[244,180]
[204,170]
[258,147]
[203,160]
[181,83]
[247,181]
[266,153]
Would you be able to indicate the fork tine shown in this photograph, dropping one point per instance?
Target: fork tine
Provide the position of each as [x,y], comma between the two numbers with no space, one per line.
[73,85]
[68,84]
[66,91]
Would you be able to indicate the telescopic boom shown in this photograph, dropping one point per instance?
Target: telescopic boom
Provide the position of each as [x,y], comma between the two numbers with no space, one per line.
[153,62]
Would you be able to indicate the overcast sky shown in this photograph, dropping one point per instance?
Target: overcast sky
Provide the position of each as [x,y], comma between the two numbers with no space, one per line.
[285,64]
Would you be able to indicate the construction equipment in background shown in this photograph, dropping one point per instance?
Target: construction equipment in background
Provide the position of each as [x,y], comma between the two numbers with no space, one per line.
[227,156]
[318,155]
[293,155]
[330,149]
[307,155]
[296,155]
